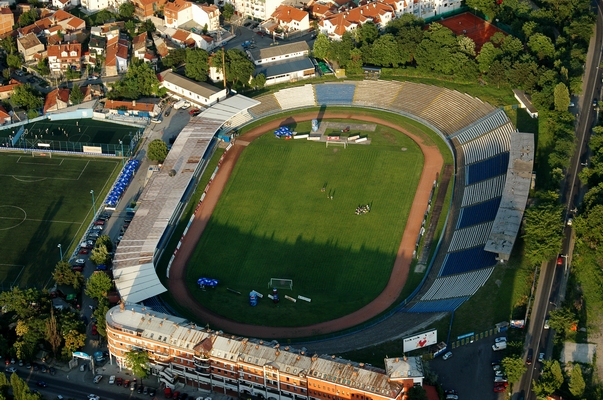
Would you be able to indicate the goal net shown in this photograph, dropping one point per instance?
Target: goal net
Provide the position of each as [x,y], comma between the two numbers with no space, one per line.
[280,283]
[41,153]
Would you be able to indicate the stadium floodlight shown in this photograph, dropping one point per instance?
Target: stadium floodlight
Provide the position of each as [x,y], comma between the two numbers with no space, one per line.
[93,204]
[60,251]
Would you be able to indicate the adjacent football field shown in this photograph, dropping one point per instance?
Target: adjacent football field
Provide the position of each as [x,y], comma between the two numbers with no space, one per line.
[274,220]
[45,202]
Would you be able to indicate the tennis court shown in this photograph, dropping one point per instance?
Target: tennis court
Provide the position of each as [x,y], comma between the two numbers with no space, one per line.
[72,135]
[479,30]
[49,202]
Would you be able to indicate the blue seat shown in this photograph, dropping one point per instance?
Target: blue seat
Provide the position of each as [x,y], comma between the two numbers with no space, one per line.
[467,260]
[487,169]
[445,305]
[478,213]
[334,93]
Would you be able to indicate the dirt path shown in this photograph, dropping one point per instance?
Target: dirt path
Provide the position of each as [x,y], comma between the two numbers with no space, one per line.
[432,166]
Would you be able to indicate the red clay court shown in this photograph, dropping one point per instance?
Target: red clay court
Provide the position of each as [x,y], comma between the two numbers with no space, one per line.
[471,26]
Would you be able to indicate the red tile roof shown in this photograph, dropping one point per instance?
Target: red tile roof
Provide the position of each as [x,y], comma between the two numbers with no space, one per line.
[176,6]
[57,49]
[180,35]
[53,97]
[287,14]
[3,113]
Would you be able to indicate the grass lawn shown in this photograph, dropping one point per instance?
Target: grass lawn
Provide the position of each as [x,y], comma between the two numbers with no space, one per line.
[70,135]
[273,221]
[48,202]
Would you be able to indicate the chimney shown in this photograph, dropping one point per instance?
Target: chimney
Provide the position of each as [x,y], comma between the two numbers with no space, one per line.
[133,103]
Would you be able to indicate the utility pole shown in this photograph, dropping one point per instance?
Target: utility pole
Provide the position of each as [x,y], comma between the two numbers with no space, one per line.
[224,65]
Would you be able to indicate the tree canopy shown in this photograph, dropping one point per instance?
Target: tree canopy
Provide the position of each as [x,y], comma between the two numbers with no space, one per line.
[196,64]
[126,10]
[138,361]
[98,285]
[27,97]
[140,80]
[514,367]
[76,96]
[157,150]
[543,232]
[64,275]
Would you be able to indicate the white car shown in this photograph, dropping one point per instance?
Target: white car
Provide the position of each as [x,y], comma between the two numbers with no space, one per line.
[546,324]
[93,396]
[80,261]
[500,339]
[541,357]
[500,379]
[111,379]
[97,379]
[499,373]
[447,355]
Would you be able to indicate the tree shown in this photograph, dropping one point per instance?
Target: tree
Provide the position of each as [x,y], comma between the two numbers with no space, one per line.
[74,340]
[321,46]
[576,383]
[140,80]
[43,68]
[76,96]
[100,314]
[227,11]
[467,45]
[487,55]
[488,7]
[64,275]
[98,285]
[417,393]
[543,232]
[147,26]
[385,52]
[562,97]
[174,59]
[258,81]
[138,361]
[72,74]
[126,10]
[196,64]
[130,26]
[514,367]
[367,33]
[550,380]
[157,150]
[25,303]
[8,44]
[53,335]
[103,16]
[542,46]
[28,17]
[13,61]
[562,320]
[100,255]
[105,240]
[239,68]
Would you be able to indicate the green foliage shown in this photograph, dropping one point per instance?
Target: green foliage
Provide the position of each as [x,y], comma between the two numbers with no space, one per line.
[258,81]
[76,96]
[100,255]
[130,27]
[43,68]
[74,340]
[174,59]
[14,61]
[98,285]
[103,16]
[514,367]
[64,275]
[100,314]
[321,46]
[140,80]
[72,74]
[157,150]
[367,33]
[562,97]
[417,393]
[147,26]
[541,45]
[28,17]
[239,68]
[576,383]
[25,303]
[105,240]
[562,320]
[487,55]
[488,7]
[8,44]
[227,11]
[126,10]
[138,361]
[550,380]
[543,232]
[196,64]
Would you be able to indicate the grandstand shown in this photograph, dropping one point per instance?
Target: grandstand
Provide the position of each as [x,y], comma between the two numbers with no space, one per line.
[335,93]
[296,97]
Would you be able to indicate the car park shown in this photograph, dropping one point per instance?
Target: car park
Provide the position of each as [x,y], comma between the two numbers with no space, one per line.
[98,378]
[97,228]
[77,268]
[499,388]
[99,222]
[499,373]
[119,381]
[152,392]
[447,355]
[44,369]
[83,251]
[80,261]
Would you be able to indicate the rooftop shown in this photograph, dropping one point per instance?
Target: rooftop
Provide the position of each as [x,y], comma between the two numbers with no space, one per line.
[280,50]
[201,88]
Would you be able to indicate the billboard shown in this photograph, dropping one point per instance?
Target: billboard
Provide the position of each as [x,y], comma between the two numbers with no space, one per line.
[421,340]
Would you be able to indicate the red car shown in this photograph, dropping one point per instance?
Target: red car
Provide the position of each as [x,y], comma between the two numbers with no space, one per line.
[176,395]
[560,260]
[194,111]
[499,389]
[94,331]
[167,393]
[99,222]
[77,268]
[84,251]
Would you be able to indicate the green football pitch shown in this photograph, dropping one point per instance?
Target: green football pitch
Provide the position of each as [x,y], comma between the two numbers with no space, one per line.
[274,220]
[69,135]
[46,202]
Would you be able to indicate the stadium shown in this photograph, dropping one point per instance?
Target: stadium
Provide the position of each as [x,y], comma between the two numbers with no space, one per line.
[490,180]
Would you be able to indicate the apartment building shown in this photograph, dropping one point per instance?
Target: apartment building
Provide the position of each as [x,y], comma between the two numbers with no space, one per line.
[182,352]
[261,9]
[29,45]
[7,20]
[291,19]
[143,9]
[182,12]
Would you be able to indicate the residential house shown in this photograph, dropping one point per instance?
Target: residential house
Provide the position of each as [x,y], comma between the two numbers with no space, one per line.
[133,107]
[336,25]
[116,61]
[108,30]
[87,92]
[182,353]
[57,100]
[260,9]
[139,46]
[29,45]
[162,49]
[64,56]
[5,117]
[96,90]
[182,12]
[7,20]
[144,9]
[199,93]
[53,23]
[97,5]
[63,4]
[97,44]
[183,39]
[282,52]
[289,19]
[7,90]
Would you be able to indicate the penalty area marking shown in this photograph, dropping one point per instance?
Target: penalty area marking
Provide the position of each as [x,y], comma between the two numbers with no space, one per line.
[21,219]
[38,163]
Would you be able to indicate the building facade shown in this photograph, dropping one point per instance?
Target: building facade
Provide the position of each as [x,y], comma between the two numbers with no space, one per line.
[7,20]
[199,93]
[182,352]
[64,56]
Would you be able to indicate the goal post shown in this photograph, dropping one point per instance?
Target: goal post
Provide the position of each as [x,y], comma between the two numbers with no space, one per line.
[41,153]
[280,283]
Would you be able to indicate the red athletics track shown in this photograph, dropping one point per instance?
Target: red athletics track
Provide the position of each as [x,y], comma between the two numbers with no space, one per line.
[177,285]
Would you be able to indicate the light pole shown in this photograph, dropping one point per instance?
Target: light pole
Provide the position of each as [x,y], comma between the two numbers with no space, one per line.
[61,251]
[565,263]
[123,163]
[93,204]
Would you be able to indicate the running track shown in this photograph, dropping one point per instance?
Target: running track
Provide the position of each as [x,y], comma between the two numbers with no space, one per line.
[177,286]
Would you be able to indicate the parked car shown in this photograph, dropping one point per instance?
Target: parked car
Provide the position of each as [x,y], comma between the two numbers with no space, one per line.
[167,393]
[94,330]
[98,378]
[111,379]
[126,383]
[176,394]
[77,268]
[139,388]
[447,355]
[52,371]
[119,381]
[80,261]
[43,369]
[11,370]
[42,384]
[530,356]
[540,357]
[99,222]
[194,110]
[83,251]
[20,363]
[500,339]
[152,392]
[500,379]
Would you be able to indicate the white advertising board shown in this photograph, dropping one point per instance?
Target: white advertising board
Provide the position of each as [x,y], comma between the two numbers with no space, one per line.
[420,341]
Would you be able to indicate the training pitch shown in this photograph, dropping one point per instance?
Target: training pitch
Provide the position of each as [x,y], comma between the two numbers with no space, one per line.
[46,202]
[288,211]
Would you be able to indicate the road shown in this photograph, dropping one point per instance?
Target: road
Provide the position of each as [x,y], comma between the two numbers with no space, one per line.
[553,278]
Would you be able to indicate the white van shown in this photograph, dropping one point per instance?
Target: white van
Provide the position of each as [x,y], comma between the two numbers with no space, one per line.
[179,104]
[499,346]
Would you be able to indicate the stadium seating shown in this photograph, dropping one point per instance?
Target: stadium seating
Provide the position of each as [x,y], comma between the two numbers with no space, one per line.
[470,237]
[379,94]
[460,285]
[467,260]
[238,120]
[268,105]
[438,305]
[486,124]
[488,145]
[296,97]
[334,93]
[478,213]
[483,190]
[486,169]
[413,98]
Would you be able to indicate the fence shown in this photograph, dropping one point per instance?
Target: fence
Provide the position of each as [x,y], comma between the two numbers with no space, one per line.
[29,144]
